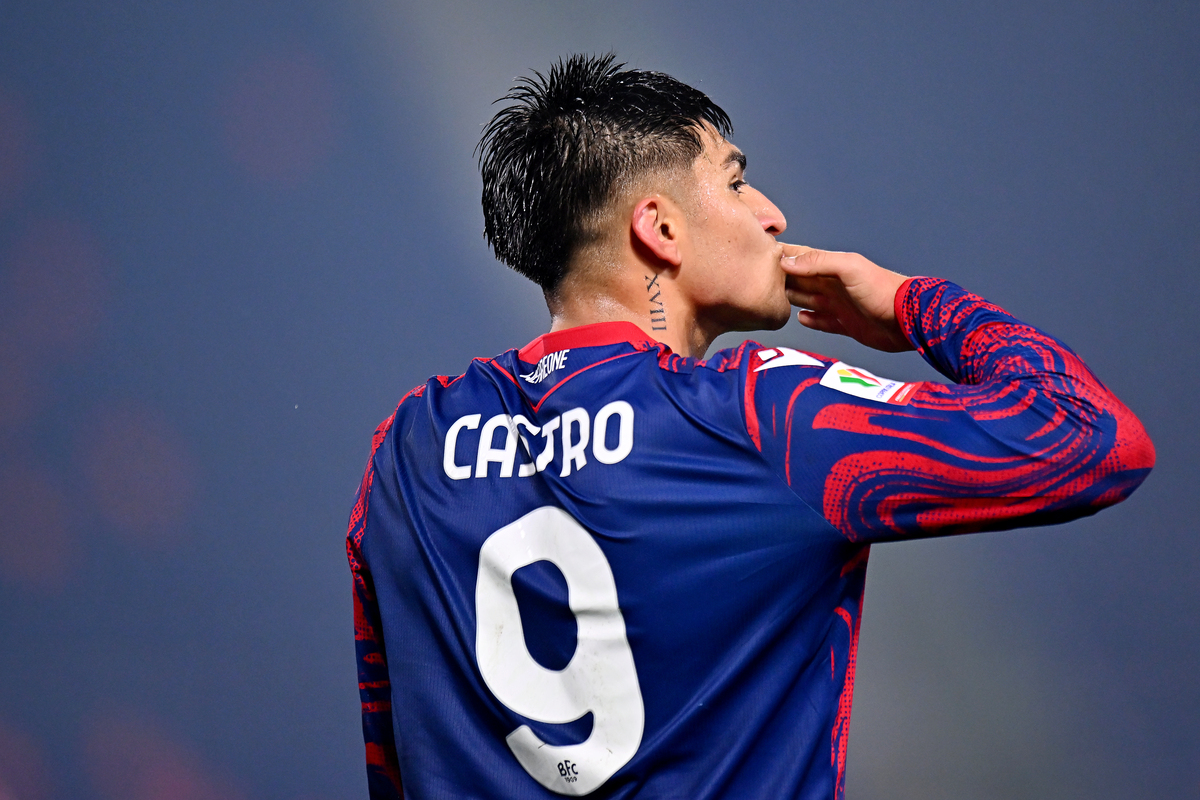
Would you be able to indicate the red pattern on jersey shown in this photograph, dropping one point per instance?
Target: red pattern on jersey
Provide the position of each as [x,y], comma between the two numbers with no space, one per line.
[1029,433]
[840,736]
[1028,436]
[748,402]
[374,688]
[787,428]
[382,760]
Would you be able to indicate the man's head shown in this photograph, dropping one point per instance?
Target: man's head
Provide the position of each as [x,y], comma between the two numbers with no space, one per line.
[555,159]
[593,165]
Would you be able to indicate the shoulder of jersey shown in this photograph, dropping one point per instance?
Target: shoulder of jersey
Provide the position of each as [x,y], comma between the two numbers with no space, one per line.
[837,375]
[446,381]
[761,358]
[774,357]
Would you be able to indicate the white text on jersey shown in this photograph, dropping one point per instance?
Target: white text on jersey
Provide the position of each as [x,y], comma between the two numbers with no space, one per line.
[546,365]
[575,429]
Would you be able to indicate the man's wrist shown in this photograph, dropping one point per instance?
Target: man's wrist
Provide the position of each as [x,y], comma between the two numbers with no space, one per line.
[899,307]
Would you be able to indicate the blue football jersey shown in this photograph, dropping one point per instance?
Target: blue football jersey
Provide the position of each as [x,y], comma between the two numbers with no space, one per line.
[593,567]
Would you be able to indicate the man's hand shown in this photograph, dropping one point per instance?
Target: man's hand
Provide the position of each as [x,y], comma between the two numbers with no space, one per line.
[845,293]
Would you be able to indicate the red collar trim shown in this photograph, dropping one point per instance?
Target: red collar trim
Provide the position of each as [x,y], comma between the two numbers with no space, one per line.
[595,335]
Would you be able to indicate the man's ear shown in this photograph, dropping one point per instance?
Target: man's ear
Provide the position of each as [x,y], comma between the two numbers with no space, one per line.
[656,223]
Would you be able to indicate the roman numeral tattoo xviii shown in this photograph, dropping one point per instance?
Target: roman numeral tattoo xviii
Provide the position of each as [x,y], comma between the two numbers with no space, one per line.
[658,311]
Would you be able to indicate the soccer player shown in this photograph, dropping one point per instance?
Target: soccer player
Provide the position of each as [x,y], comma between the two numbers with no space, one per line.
[598,565]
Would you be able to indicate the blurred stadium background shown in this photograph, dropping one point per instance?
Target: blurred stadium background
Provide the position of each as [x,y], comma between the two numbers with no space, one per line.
[232,234]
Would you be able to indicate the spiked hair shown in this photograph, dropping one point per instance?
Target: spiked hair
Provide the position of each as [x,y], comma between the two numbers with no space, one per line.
[558,155]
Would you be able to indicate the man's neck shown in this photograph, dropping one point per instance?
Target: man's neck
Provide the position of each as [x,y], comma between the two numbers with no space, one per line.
[656,309]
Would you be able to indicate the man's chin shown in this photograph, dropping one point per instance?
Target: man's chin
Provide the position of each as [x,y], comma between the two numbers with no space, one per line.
[776,317]
[763,321]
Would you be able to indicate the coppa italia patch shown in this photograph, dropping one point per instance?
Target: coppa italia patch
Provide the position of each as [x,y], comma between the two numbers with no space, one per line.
[860,383]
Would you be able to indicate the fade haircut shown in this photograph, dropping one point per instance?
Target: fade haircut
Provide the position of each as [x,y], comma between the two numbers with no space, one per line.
[555,159]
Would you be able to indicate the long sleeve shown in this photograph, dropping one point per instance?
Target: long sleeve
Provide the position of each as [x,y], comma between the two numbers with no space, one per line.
[1026,436]
[374,685]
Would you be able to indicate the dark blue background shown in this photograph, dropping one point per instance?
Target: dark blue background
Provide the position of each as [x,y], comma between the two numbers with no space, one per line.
[233,234]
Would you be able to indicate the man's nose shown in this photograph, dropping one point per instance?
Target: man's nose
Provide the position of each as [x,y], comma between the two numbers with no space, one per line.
[769,216]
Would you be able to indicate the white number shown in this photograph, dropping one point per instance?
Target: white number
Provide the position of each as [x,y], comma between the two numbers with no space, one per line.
[600,677]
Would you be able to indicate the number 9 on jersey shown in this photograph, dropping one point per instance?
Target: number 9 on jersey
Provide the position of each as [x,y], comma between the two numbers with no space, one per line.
[600,677]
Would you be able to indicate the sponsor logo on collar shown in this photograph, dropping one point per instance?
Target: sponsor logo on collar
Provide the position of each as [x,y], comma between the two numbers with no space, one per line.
[549,363]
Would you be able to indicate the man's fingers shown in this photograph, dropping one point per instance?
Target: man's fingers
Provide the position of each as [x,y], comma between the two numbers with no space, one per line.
[810,283]
[813,285]
[809,262]
[826,323]
[790,250]
[816,293]
[810,300]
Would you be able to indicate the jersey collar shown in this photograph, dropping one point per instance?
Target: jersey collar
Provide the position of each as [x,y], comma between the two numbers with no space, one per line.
[595,335]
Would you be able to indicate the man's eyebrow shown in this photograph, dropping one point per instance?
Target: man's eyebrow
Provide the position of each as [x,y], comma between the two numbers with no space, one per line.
[736,157]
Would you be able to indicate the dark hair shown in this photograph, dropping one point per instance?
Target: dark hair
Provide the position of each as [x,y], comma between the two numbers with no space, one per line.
[555,157]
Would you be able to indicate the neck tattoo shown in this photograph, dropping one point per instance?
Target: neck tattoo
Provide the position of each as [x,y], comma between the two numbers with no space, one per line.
[658,311]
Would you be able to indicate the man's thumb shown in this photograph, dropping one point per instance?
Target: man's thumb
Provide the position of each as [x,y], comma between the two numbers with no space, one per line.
[800,260]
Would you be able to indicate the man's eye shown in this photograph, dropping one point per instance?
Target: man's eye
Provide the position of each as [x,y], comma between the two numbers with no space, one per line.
[737,185]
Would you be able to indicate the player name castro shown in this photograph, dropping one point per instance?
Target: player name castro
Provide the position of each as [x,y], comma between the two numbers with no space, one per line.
[578,435]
